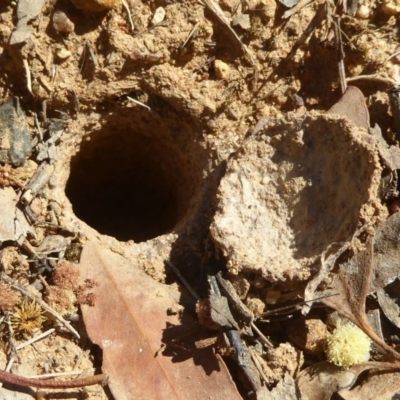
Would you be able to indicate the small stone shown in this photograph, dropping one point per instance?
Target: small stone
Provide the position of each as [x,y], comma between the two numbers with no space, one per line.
[310,335]
[222,70]
[255,305]
[391,7]
[61,23]
[242,20]
[363,12]
[95,5]
[62,54]
[158,16]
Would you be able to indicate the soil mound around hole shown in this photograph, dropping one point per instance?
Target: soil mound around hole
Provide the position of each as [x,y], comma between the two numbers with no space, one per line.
[295,188]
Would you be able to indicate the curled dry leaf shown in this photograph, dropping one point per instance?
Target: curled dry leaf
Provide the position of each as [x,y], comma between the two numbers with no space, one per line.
[129,322]
[378,385]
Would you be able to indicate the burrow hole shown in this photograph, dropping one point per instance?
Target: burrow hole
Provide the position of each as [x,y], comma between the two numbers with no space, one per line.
[134,179]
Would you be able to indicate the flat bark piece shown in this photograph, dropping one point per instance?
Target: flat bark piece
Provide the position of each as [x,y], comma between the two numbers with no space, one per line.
[13,224]
[27,10]
[352,105]
[129,320]
[221,313]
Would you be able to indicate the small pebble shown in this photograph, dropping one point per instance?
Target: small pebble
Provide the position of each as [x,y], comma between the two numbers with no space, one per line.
[61,23]
[222,70]
[391,7]
[158,16]
[242,20]
[363,12]
[62,54]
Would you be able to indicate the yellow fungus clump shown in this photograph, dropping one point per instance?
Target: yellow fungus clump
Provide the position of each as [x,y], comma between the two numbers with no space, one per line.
[347,345]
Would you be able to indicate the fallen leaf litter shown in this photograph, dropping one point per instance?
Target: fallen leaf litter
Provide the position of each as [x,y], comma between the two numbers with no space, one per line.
[198,138]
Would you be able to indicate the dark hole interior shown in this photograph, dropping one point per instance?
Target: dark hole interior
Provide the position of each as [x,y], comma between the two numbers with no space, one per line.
[128,186]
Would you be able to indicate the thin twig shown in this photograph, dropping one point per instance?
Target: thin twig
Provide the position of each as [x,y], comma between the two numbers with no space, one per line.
[35,339]
[191,34]
[27,293]
[126,6]
[340,55]
[254,357]
[396,53]
[183,280]
[138,103]
[262,337]
[373,78]
[8,377]
[28,75]
[215,8]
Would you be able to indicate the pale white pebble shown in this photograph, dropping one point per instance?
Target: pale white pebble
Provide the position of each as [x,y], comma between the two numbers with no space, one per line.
[158,16]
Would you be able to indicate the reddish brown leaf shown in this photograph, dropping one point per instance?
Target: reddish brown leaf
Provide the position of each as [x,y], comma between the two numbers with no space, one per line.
[129,322]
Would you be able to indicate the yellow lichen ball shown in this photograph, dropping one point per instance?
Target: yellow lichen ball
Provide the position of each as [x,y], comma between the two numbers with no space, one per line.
[347,345]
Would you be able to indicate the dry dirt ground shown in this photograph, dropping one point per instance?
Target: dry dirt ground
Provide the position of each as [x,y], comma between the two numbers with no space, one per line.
[151,124]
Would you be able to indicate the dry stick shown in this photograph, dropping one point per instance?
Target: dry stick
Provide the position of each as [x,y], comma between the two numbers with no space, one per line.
[191,34]
[27,293]
[373,78]
[183,280]
[254,357]
[339,44]
[261,336]
[126,6]
[139,103]
[28,75]
[245,314]
[53,384]
[215,8]
[35,339]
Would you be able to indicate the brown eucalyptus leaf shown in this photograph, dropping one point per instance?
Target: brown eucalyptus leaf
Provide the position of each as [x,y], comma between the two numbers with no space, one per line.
[130,321]
[352,105]
[386,253]
[389,302]
[336,297]
[322,380]
[380,385]
[386,256]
